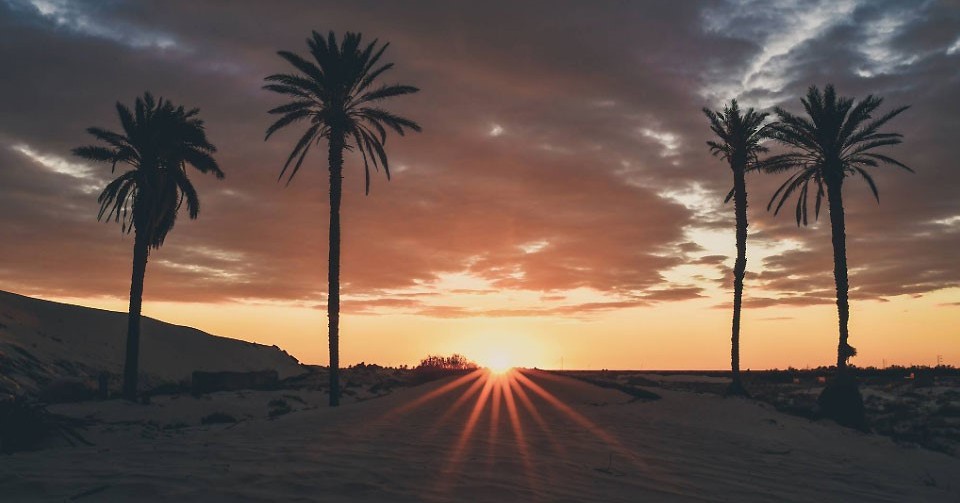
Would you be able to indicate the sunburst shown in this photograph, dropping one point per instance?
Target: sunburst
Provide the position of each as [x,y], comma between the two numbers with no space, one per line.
[503,390]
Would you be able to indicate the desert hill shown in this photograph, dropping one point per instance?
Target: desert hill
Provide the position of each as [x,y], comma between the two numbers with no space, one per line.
[43,341]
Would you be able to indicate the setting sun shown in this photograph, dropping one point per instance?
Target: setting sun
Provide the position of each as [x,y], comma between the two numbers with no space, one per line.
[499,363]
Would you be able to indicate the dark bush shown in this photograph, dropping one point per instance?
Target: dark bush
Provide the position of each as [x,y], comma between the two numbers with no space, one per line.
[25,425]
[67,390]
[218,418]
[22,426]
[452,362]
[278,407]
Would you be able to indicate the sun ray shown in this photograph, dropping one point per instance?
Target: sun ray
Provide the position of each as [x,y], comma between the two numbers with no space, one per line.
[448,387]
[566,409]
[498,381]
[462,399]
[580,419]
[517,428]
[465,435]
[520,395]
[537,416]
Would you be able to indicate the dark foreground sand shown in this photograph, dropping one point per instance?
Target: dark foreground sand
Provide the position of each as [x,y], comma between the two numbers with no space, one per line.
[534,437]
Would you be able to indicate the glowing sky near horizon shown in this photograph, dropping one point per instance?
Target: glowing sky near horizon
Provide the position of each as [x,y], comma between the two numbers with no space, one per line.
[560,205]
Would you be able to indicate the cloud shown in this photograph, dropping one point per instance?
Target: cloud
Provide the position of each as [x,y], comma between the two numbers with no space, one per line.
[557,156]
[81,18]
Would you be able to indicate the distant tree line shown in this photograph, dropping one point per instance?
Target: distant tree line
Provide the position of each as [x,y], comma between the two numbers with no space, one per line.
[452,362]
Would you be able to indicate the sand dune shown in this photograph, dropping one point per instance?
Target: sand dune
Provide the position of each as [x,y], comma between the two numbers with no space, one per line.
[532,437]
[41,341]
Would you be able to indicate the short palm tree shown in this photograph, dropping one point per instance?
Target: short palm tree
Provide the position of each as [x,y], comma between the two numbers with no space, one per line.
[335,94]
[740,134]
[158,141]
[837,140]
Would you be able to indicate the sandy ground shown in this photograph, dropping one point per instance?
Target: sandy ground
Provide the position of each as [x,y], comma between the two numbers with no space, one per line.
[43,341]
[529,436]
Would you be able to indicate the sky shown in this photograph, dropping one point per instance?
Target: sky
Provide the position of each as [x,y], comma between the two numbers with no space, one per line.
[560,207]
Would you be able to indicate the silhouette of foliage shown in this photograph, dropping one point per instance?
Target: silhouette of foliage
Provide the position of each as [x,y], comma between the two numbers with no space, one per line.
[837,140]
[435,367]
[337,95]
[740,134]
[452,362]
[157,142]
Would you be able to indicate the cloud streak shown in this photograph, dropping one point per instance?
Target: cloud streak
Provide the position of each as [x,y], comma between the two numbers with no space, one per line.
[561,153]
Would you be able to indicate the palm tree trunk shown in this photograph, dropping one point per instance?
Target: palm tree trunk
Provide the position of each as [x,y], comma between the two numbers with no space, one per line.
[131,364]
[838,227]
[333,271]
[739,269]
[841,399]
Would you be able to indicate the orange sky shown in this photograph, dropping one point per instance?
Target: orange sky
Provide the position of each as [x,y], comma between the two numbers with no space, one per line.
[681,335]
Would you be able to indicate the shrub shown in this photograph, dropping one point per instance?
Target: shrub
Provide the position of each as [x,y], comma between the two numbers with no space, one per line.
[436,367]
[452,362]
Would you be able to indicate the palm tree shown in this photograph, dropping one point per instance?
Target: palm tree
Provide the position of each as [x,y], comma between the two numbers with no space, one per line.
[740,135]
[839,140]
[334,93]
[158,142]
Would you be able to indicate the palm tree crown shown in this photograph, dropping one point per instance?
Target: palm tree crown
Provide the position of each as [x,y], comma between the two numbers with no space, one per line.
[335,92]
[158,141]
[837,141]
[741,132]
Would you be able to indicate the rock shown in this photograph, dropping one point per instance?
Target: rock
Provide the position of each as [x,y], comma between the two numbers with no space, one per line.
[65,390]
[207,382]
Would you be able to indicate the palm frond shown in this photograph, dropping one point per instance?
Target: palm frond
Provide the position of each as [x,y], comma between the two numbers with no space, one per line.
[95,153]
[331,89]
[837,139]
[387,92]
[159,140]
[286,120]
[888,160]
[873,186]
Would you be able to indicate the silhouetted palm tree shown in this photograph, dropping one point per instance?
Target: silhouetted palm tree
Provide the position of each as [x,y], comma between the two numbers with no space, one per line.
[740,135]
[158,142]
[334,94]
[836,142]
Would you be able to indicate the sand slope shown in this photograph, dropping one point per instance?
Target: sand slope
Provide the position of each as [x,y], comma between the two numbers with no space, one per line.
[572,442]
[41,340]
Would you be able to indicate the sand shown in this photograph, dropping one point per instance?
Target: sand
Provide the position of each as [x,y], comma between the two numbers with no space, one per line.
[572,442]
[42,341]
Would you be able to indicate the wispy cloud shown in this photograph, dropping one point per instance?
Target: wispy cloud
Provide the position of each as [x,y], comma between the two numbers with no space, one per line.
[89,182]
[76,17]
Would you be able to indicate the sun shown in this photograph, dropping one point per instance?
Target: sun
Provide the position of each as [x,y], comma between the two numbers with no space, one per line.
[499,363]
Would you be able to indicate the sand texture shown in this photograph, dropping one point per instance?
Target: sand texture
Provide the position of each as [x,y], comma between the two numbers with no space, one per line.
[529,436]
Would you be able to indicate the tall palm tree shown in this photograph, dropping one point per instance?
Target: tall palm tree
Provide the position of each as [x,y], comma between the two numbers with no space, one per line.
[335,94]
[740,134]
[158,141]
[837,140]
